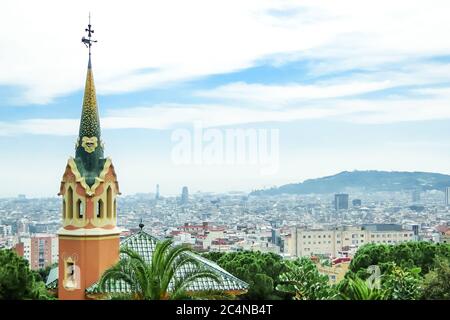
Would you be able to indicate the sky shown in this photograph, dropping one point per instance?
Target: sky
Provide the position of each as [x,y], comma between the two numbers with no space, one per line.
[319,87]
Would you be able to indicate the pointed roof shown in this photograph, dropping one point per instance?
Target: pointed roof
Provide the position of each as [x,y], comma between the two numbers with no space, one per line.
[89,149]
[90,122]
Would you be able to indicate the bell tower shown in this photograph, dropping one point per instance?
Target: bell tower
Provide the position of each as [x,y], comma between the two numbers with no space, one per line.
[89,237]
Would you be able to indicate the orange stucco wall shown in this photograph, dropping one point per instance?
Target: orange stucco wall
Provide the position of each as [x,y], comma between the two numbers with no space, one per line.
[92,257]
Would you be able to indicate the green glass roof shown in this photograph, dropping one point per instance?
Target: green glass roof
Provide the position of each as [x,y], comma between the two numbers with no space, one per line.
[52,279]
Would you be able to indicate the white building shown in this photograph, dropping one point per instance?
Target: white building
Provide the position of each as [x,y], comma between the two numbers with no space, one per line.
[5,231]
[261,246]
[184,238]
[333,242]
[447,196]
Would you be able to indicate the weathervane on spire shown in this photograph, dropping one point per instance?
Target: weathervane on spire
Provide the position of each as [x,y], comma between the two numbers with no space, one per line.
[88,41]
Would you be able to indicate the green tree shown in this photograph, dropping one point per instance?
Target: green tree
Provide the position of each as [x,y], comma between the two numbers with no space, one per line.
[407,255]
[259,270]
[17,281]
[402,284]
[261,287]
[150,281]
[304,282]
[436,285]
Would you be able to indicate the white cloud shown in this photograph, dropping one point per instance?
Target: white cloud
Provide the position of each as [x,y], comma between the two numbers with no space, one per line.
[343,86]
[144,44]
[166,117]
[60,127]
[279,95]
[41,51]
[430,104]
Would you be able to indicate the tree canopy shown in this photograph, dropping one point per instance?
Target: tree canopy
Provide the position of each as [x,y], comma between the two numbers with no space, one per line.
[17,281]
[405,255]
[259,270]
[436,284]
[408,271]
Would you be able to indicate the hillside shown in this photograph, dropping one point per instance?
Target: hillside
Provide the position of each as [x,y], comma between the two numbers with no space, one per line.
[365,181]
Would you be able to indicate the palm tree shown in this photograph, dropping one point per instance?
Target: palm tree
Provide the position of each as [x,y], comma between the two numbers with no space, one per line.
[150,281]
[357,289]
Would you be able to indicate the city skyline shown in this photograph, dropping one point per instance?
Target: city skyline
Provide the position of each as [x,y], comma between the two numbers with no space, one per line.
[344,91]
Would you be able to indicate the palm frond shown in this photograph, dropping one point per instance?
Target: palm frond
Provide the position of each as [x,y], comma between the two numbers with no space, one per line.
[151,280]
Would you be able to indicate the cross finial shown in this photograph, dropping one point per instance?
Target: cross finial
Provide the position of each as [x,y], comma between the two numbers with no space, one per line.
[141,225]
[88,41]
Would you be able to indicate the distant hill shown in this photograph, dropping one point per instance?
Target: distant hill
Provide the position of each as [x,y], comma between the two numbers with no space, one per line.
[364,180]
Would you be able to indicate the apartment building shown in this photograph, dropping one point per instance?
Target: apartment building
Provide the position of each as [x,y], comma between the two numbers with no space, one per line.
[41,250]
[334,242]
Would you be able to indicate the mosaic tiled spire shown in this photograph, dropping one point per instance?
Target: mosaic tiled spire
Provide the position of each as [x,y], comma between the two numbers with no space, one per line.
[89,149]
[90,122]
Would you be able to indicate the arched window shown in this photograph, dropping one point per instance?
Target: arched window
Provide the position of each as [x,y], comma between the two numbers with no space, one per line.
[115,209]
[70,276]
[109,203]
[70,202]
[80,209]
[100,208]
[64,208]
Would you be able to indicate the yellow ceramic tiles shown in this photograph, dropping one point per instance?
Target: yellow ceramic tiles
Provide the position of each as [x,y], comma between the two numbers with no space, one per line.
[89,126]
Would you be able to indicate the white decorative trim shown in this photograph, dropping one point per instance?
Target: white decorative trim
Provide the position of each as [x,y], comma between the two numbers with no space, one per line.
[89,232]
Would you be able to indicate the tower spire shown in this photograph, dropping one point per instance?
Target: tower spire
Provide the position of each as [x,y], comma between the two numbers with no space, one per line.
[88,239]
[89,150]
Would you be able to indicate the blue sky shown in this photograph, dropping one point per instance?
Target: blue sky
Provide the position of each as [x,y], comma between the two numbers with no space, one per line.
[351,86]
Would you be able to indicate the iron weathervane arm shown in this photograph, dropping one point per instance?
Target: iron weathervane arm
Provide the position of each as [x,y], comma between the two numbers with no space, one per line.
[88,41]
